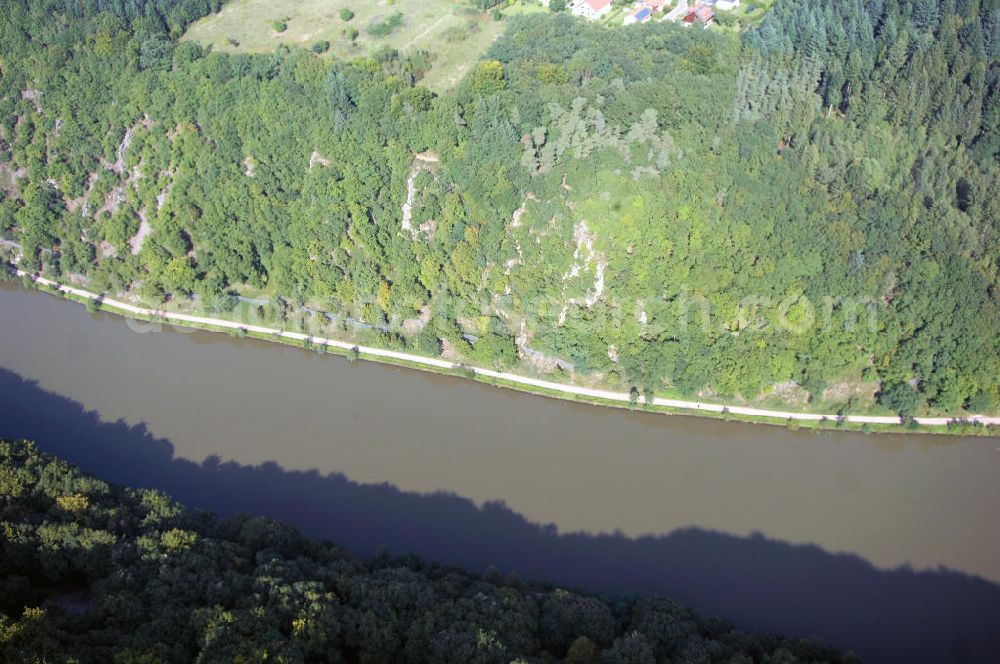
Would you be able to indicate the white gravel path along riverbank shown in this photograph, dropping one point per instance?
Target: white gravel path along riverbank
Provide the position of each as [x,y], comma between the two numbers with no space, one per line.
[438,363]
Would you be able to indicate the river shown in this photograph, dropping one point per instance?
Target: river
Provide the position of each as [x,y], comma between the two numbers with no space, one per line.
[872,542]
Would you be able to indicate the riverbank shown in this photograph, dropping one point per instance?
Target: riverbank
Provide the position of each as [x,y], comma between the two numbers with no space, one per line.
[969,424]
[377,455]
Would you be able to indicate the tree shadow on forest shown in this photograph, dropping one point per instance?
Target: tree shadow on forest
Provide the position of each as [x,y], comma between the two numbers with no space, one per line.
[758,583]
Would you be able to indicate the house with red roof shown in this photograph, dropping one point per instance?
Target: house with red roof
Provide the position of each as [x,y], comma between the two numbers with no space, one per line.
[703,14]
[591,9]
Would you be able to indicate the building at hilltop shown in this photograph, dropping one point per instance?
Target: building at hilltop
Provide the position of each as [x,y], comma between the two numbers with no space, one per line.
[640,15]
[591,9]
[702,13]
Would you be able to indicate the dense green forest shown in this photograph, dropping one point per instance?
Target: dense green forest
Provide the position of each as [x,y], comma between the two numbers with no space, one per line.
[91,572]
[807,210]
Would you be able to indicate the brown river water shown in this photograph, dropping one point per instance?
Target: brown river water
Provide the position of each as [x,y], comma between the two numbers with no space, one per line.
[886,544]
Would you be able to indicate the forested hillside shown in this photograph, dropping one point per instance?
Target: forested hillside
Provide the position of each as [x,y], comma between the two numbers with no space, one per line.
[805,213]
[92,572]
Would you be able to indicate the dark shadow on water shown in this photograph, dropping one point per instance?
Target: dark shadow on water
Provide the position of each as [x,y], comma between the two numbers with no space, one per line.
[758,583]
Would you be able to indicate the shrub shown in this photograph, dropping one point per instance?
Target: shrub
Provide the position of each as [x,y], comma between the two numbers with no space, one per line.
[901,398]
[455,35]
[386,27]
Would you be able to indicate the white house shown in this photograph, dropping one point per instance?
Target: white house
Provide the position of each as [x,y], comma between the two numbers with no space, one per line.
[726,5]
[591,9]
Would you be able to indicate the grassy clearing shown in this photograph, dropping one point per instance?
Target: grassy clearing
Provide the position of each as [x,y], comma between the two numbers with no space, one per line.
[754,10]
[616,16]
[524,7]
[452,31]
[8,183]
